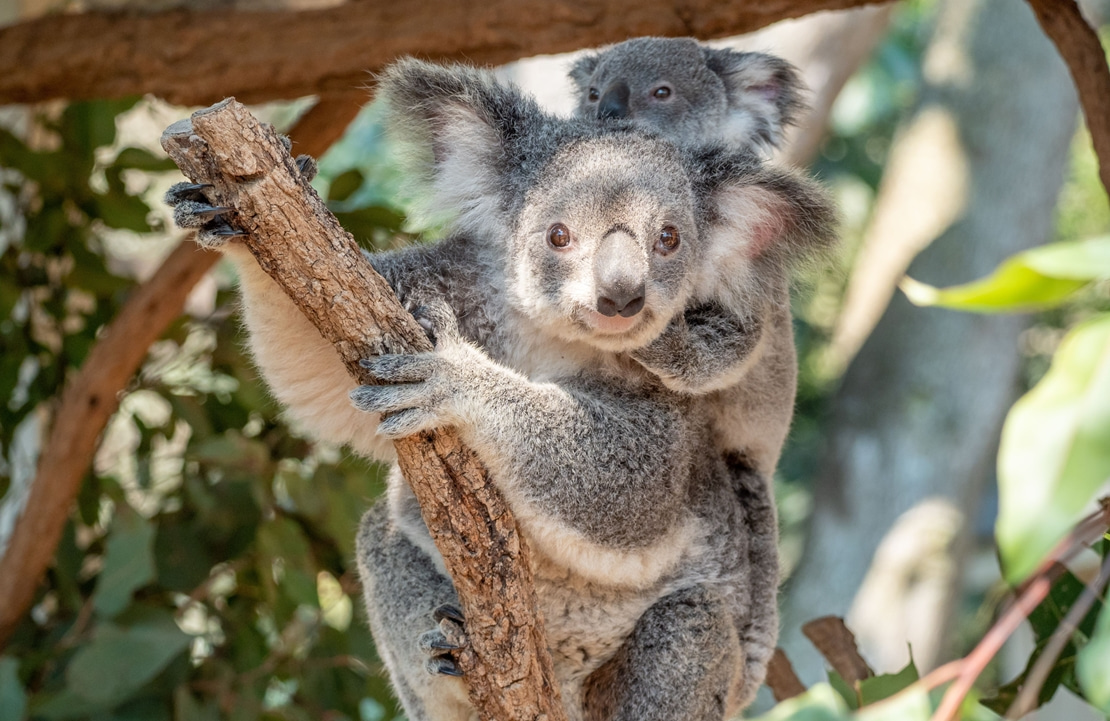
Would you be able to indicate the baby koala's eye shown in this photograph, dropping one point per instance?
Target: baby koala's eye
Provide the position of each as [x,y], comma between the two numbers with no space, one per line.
[662,92]
[558,236]
[594,95]
[668,240]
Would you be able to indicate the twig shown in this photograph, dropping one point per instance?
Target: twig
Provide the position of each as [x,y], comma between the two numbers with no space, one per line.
[1034,682]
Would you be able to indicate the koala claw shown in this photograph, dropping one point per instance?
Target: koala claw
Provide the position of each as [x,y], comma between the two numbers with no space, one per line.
[400,367]
[438,321]
[442,666]
[448,611]
[306,164]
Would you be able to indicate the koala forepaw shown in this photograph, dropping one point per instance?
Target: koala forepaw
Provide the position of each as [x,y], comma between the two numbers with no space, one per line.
[192,211]
[441,642]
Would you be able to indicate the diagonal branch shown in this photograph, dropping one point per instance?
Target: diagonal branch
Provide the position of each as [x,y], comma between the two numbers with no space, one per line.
[92,395]
[196,58]
[1079,45]
[506,663]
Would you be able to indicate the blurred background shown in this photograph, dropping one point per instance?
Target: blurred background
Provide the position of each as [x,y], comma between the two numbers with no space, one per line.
[206,569]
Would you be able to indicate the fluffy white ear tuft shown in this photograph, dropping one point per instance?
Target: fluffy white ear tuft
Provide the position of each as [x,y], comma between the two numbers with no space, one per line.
[765,93]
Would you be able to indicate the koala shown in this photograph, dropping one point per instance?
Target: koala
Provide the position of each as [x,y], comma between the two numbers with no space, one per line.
[574,243]
[691,92]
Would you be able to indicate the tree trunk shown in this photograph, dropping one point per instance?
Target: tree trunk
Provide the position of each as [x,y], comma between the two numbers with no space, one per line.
[914,427]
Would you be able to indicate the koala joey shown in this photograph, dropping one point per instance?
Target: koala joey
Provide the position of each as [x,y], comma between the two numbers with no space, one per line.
[574,243]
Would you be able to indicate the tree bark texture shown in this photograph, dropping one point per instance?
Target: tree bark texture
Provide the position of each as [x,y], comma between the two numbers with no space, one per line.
[196,58]
[918,415]
[92,395]
[302,246]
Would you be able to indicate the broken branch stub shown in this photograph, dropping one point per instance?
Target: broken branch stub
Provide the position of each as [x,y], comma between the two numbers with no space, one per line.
[301,245]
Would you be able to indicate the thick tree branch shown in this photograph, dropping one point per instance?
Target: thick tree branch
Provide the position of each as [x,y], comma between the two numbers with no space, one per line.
[92,395]
[1079,45]
[507,666]
[196,58]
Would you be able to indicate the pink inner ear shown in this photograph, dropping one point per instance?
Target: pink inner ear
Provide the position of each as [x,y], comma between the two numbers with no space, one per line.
[765,229]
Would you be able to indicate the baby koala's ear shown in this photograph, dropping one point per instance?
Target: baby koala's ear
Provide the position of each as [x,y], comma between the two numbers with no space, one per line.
[765,93]
[770,213]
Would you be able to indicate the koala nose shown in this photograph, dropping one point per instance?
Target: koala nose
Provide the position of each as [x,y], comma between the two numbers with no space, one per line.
[625,302]
[614,102]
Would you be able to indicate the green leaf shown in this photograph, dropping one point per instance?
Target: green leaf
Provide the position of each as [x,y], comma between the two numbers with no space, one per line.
[1038,278]
[344,185]
[128,562]
[911,706]
[1093,667]
[120,659]
[845,690]
[819,703]
[877,688]
[1055,450]
[139,159]
[13,700]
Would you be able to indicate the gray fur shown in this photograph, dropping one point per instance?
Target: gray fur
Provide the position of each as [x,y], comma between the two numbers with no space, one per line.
[642,537]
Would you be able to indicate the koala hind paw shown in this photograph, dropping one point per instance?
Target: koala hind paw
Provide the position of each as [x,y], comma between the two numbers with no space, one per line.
[192,211]
[440,643]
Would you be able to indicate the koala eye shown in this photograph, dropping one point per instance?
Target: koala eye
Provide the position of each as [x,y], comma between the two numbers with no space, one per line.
[558,236]
[594,95]
[668,240]
[662,92]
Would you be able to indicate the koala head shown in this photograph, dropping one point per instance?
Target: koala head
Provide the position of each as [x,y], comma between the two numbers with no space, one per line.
[690,92]
[603,228]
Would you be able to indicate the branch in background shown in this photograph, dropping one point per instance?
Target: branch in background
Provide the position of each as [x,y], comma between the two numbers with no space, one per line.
[835,641]
[1031,691]
[92,395]
[506,663]
[196,58]
[781,679]
[1079,45]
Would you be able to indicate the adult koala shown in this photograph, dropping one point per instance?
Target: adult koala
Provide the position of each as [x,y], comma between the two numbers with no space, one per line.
[573,244]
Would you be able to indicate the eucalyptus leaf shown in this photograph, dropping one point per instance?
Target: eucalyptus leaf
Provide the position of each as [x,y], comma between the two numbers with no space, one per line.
[128,562]
[1055,450]
[886,685]
[121,659]
[13,699]
[819,703]
[1039,278]
[910,706]
[1093,667]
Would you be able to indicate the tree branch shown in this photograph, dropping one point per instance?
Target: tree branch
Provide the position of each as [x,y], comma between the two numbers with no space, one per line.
[92,395]
[1079,46]
[196,58]
[506,663]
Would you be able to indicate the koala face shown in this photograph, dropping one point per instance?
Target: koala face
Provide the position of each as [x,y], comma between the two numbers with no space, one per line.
[605,243]
[661,84]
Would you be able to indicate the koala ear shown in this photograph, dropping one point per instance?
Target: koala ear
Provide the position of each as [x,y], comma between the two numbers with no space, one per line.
[765,93]
[582,70]
[457,128]
[767,213]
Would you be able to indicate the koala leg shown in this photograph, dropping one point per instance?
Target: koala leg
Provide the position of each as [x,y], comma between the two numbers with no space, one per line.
[682,661]
[412,611]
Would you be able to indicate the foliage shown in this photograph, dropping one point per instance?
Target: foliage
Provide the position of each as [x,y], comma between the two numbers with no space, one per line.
[208,569]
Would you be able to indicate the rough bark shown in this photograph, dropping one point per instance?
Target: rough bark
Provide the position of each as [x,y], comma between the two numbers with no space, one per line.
[92,395]
[920,409]
[196,58]
[506,663]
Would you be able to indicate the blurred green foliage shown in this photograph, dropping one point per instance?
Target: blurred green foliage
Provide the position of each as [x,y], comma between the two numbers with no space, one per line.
[207,572]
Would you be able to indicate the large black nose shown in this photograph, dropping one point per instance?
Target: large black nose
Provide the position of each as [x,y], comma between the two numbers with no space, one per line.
[625,302]
[614,102]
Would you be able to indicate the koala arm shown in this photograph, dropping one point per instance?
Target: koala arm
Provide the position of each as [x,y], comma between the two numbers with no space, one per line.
[706,348]
[583,462]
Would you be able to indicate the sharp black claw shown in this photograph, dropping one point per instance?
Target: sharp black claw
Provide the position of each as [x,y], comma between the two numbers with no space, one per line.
[211,211]
[444,646]
[228,232]
[447,667]
[187,191]
[448,611]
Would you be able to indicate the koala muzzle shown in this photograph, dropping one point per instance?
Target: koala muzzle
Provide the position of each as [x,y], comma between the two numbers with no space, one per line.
[625,304]
[614,102]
